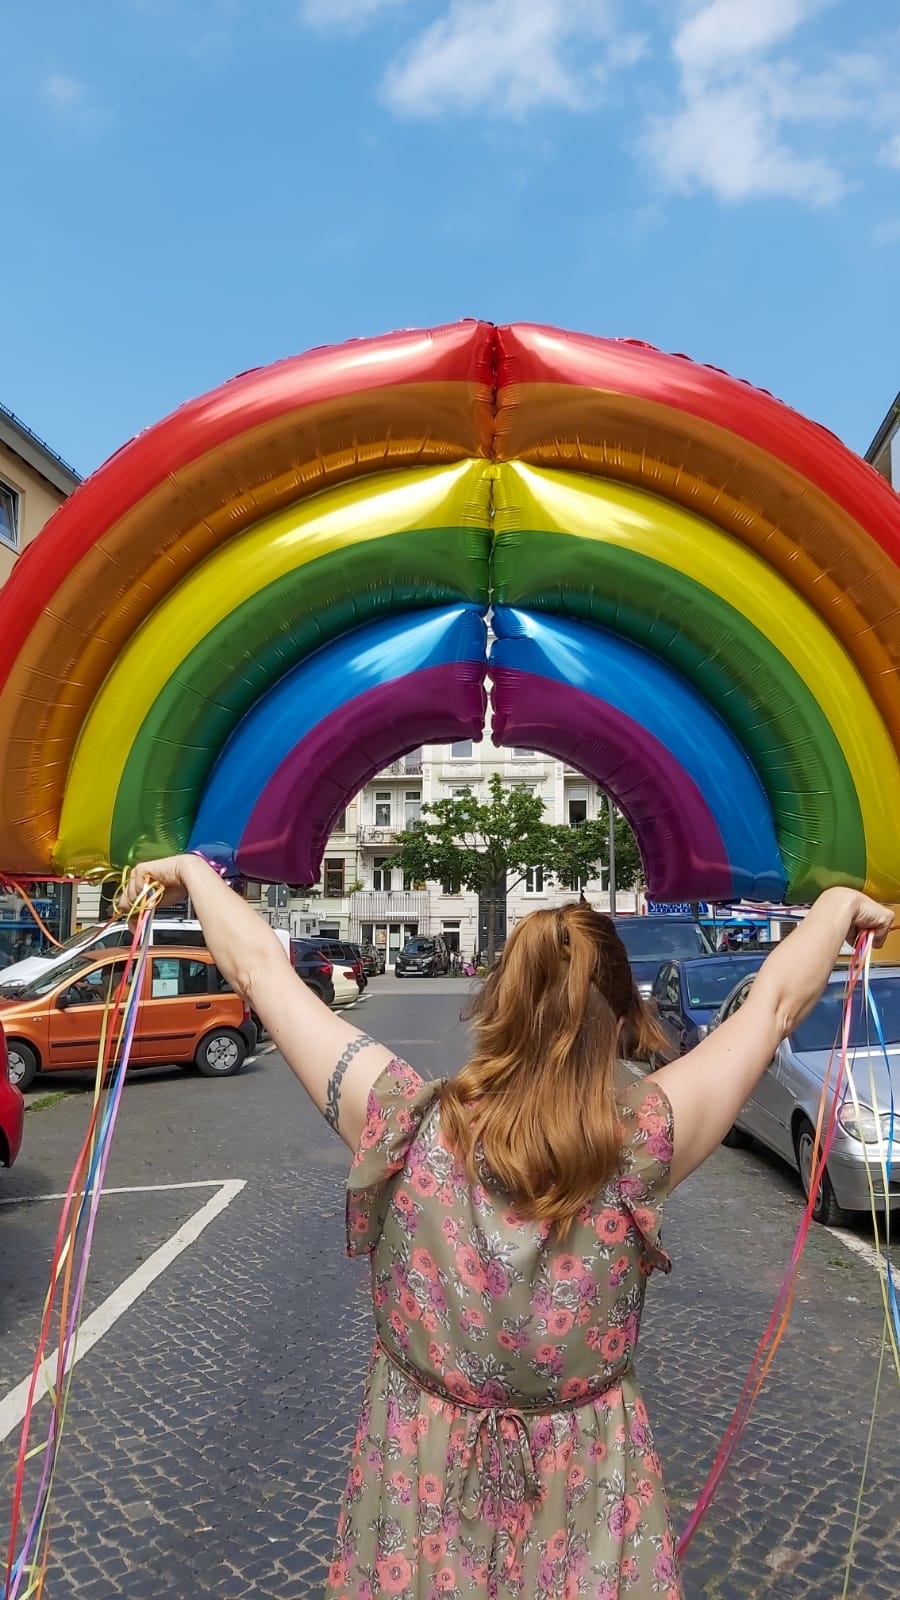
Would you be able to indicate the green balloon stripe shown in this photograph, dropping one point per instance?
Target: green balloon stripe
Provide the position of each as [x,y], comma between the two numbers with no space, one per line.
[262,639]
[735,667]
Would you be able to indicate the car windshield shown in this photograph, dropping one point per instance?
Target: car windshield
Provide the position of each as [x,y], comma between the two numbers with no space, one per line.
[418,947]
[822,1028]
[64,973]
[76,941]
[708,982]
[645,940]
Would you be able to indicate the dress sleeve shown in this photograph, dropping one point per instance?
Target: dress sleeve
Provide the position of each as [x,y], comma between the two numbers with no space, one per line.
[398,1101]
[648,1124]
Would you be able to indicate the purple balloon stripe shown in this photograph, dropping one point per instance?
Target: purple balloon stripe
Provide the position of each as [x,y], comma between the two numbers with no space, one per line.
[678,834]
[289,827]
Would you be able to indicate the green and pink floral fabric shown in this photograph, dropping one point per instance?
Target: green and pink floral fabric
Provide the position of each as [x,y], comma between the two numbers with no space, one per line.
[503,1450]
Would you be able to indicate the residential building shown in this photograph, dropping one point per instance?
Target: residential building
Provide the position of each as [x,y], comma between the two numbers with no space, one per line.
[34,481]
[884,451]
[378,904]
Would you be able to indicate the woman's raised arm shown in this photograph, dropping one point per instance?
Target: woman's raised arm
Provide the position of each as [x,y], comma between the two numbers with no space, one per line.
[708,1086]
[336,1063]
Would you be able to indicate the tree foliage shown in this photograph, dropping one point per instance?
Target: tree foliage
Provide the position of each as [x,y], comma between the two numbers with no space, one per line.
[479,844]
[474,843]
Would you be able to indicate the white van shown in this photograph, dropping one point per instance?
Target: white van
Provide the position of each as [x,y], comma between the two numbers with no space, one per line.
[166,931]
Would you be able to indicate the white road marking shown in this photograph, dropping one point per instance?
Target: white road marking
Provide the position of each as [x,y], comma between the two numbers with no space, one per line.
[14,1404]
[140,1188]
[867,1252]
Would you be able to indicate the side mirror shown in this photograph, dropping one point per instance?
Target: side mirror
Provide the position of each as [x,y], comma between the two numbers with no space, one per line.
[63,1001]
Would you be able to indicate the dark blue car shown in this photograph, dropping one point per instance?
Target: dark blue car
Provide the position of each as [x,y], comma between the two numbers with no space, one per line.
[689,993]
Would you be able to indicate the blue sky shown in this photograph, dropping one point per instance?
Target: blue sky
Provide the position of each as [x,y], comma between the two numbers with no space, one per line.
[194,187]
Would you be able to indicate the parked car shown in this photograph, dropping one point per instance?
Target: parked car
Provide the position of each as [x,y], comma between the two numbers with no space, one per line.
[688,993]
[783,1109]
[12,1110]
[314,968]
[372,959]
[187,1016]
[342,954]
[650,941]
[423,957]
[181,931]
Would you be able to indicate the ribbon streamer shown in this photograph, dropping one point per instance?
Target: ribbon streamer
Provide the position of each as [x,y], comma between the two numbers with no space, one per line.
[27,1561]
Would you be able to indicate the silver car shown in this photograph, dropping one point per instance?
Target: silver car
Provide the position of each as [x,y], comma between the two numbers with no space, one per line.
[783,1108]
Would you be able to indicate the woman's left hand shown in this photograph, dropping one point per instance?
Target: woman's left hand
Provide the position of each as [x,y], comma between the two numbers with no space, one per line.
[168,872]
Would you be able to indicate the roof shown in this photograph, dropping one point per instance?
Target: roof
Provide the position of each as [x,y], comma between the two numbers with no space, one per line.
[20,439]
[888,427]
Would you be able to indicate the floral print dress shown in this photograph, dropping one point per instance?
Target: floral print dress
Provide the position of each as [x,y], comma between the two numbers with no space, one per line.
[503,1450]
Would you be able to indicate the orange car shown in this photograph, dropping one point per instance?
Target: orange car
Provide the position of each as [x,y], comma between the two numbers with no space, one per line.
[187,1016]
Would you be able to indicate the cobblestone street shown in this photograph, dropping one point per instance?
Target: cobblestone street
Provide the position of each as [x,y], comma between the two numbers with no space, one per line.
[209,1425]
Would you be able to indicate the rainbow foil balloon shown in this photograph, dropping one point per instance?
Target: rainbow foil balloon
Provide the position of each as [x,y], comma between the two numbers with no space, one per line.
[693,596]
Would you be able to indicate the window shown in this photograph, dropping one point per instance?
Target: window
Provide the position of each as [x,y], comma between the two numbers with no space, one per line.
[253,891]
[381,873]
[408,881]
[523,755]
[450,886]
[413,761]
[451,936]
[382,808]
[460,791]
[534,880]
[9,516]
[412,807]
[577,813]
[172,976]
[461,750]
[340,823]
[334,878]
[97,987]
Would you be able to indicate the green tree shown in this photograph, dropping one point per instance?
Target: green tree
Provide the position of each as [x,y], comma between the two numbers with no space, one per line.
[481,845]
[582,851]
[477,844]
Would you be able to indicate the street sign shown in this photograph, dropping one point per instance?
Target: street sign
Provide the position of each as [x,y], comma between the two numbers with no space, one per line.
[679,908]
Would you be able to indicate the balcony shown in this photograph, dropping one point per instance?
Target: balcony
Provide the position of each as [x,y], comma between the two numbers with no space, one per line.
[391,905]
[406,767]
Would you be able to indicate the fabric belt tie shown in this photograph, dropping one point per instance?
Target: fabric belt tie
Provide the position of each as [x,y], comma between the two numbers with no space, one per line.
[495,1464]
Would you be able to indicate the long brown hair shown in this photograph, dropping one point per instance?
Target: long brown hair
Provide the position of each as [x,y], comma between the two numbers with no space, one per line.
[538,1095]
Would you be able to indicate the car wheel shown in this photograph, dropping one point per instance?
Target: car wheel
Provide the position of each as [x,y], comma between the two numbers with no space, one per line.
[221,1054]
[826,1209]
[23,1065]
[737,1139]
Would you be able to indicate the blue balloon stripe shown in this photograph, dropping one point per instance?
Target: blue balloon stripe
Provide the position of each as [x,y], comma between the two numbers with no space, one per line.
[641,687]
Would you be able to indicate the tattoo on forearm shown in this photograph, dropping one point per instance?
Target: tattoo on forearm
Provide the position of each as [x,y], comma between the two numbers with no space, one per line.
[333,1091]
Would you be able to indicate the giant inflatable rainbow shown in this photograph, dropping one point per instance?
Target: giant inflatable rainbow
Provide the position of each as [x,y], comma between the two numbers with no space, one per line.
[693,596]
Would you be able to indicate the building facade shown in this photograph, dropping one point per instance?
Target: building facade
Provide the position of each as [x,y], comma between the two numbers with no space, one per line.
[362,895]
[34,481]
[884,451]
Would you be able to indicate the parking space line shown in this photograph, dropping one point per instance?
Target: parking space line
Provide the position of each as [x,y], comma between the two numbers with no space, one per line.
[868,1253]
[14,1404]
[138,1188]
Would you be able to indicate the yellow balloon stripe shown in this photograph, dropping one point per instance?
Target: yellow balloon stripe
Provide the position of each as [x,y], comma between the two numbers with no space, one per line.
[546,500]
[337,519]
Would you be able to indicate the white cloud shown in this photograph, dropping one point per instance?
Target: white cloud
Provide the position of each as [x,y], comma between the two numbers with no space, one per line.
[758,103]
[743,99]
[69,100]
[720,33]
[510,57]
[724,140]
